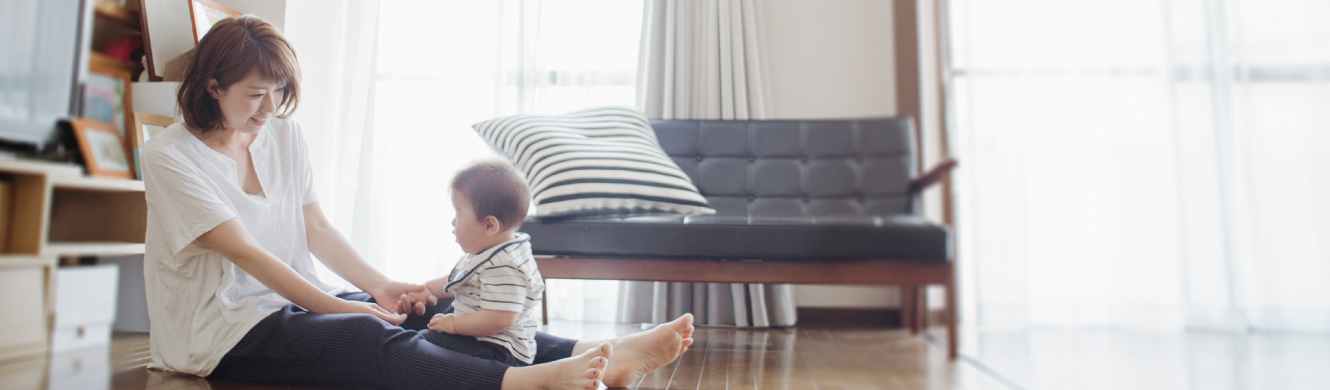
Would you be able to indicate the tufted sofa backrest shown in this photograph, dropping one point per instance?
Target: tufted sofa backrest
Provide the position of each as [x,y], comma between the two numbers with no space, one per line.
[796,167]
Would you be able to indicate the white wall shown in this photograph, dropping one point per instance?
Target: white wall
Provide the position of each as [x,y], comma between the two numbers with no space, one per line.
[832,59]
[274,11]
[316,30]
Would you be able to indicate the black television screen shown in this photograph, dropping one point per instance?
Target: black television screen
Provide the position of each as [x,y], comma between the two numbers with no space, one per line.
[41,61]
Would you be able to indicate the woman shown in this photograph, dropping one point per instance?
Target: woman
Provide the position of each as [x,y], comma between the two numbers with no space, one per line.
[233,219]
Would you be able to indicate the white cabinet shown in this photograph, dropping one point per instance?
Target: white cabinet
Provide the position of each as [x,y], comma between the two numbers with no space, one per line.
[25,283]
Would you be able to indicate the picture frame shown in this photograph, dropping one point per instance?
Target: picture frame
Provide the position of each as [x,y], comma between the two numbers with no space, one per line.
[205,13]
[145,127]
[103,149]
[108,97]
[167,35]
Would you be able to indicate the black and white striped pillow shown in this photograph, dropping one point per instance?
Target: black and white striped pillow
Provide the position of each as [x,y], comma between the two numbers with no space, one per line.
[600,161]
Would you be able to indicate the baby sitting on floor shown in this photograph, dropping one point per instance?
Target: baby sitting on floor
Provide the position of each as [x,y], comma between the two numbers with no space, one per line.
[496,286]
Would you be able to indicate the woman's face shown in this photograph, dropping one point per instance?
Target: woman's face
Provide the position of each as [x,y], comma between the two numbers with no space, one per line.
[249,103]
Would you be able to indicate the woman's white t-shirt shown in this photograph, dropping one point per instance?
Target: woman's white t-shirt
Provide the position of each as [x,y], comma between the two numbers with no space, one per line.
[199,303]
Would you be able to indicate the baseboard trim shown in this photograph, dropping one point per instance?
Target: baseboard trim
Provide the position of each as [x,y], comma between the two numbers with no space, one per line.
[827,317]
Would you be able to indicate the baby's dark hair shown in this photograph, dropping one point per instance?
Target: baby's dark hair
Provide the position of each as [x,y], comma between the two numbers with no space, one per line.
[495,188]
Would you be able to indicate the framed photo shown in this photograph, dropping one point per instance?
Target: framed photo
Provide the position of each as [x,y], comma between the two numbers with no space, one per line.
[205,13]
[145,127]
[107,97]
[103,149]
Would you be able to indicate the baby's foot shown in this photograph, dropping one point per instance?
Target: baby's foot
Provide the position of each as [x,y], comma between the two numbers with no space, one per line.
[639,353]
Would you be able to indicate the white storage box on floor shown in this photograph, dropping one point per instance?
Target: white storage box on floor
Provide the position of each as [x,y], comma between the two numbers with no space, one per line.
[85,299]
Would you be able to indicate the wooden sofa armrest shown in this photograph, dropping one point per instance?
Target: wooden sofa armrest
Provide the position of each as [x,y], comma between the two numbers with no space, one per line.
[933,176]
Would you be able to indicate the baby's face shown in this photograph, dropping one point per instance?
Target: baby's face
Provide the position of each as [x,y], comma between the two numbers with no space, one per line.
[468,228]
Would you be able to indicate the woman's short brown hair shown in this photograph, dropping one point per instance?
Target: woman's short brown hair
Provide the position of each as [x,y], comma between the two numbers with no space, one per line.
[494,188]
[232,49]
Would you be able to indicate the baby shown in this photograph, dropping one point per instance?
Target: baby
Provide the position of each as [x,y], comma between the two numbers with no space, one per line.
[496,286]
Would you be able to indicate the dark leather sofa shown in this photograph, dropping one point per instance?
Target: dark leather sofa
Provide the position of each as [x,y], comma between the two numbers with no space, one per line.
[797,201]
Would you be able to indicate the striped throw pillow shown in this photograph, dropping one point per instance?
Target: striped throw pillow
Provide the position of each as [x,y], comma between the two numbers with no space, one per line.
[600,161]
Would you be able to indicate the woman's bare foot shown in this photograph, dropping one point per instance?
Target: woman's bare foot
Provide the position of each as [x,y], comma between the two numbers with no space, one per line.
[639,353]
[579,372]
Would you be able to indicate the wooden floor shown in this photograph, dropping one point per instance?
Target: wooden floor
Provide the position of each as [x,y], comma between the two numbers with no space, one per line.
[722,358]
[837,358]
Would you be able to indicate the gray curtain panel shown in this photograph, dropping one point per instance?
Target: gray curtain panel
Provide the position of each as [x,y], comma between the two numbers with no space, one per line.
[731,304]
[705,60]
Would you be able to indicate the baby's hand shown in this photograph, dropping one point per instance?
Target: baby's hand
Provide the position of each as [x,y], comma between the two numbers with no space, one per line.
[442,323]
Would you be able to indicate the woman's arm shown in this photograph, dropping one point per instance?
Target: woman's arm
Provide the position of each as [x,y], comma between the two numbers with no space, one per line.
[237,245]
[333,249]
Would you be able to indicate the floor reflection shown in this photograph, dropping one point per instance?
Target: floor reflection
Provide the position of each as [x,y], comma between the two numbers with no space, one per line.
[1094,359]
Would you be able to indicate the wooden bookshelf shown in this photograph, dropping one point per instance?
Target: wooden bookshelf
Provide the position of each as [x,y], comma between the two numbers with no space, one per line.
[113,21]
[54,210]
[117,13]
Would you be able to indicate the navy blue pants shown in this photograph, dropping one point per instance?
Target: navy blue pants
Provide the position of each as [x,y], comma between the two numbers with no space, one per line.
[293,346]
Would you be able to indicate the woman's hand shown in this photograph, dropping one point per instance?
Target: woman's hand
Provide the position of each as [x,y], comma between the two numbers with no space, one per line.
[443,323]
[370,308]
[404,298]
[330,247]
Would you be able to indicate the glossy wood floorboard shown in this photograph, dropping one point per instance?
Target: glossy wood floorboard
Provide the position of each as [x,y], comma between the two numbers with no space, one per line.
[722,358]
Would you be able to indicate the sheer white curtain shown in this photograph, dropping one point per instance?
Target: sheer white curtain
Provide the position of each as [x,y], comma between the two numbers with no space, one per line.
[1154,164]
[392,88]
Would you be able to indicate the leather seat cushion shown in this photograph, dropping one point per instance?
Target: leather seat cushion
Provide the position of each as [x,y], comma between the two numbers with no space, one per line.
[739,237]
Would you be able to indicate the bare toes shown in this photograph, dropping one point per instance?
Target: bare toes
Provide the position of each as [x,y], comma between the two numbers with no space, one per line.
[683,324]
[604,349]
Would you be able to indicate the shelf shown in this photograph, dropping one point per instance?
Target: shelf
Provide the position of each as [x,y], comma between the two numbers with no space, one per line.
[93,248]
[39,167]
[118,13]
[106,213]
[98,59]
[20,260]
[96,184]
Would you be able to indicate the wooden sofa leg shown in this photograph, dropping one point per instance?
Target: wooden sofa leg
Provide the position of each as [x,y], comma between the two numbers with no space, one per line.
[921,310]
[909,308]
[544,312]
[953,339]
